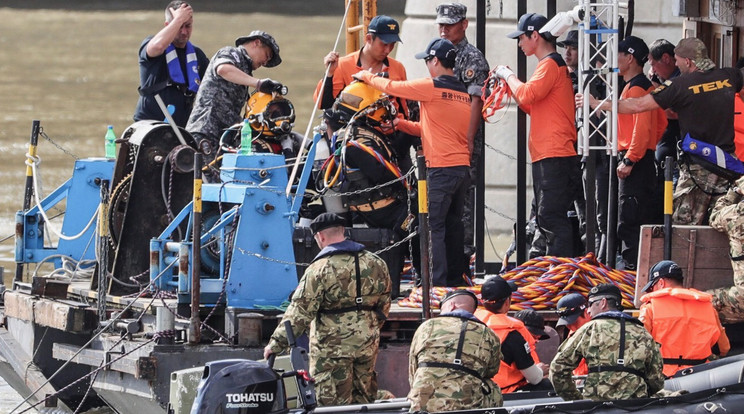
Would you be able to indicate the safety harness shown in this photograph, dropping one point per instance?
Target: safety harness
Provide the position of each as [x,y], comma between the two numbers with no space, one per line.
[620,366]
[357,300]
[456,363]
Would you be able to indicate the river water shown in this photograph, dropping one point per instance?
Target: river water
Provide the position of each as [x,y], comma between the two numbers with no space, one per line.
[76,72]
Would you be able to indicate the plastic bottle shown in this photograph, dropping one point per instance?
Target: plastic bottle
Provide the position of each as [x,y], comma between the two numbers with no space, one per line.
[246,138]
[110,142]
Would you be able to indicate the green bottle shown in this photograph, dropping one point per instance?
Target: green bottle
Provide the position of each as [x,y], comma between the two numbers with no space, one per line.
[110,142]
[246,138]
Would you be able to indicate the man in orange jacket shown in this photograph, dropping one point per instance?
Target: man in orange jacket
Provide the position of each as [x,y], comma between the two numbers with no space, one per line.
[520,366]
[682,320]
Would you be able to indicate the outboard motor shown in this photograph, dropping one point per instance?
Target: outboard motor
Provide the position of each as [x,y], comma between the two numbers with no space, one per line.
[240,387]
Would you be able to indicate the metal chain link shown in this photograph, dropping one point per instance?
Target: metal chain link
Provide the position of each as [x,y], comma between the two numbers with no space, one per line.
[373,188]
[59,147]
[498,151]
[498,213]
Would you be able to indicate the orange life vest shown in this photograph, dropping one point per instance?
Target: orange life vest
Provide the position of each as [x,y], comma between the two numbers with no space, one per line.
[684,322]
[739,127]
[509,378]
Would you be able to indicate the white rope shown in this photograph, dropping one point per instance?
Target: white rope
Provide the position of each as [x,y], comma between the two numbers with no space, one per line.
[317,100]
[32,162]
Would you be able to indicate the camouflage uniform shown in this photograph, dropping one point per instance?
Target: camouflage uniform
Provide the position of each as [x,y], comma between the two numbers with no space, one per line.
[728,216]
[219,101]
[343,346]
[598,343]
[471,68]
[437,389]
[697,190]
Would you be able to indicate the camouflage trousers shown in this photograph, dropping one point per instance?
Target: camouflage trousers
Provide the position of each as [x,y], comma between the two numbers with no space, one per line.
[696,192]
[345,380]
[729,301]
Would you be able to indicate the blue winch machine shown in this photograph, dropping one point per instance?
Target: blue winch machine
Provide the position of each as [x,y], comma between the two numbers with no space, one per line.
[248,219]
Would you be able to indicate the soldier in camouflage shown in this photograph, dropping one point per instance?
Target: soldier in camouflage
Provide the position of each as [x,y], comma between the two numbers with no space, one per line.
[224,89]
[453,358]
[471,68]
[728,217]
[622,358]
[344,333]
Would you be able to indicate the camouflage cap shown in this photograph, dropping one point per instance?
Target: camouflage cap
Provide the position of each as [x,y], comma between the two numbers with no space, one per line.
[268,40]
[694,49]
[451,13]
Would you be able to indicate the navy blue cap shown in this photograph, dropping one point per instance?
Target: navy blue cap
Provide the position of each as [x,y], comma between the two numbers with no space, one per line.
[663,269]
[385,27]
[569,308]
[634,46]
[443,49]
[496,288]
[529,22]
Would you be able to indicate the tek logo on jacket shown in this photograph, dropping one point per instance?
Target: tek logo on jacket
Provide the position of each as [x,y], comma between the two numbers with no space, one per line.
[710,86]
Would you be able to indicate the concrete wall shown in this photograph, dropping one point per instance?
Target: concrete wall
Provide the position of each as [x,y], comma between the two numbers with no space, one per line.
[652,20]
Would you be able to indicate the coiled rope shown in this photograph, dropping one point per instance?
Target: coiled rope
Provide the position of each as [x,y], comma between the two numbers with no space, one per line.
[543,281]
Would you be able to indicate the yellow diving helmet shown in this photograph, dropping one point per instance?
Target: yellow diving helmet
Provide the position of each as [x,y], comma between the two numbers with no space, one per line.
[270,115]
[359,96]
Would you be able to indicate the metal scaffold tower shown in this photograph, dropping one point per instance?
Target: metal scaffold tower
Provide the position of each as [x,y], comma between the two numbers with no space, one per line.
[600,31]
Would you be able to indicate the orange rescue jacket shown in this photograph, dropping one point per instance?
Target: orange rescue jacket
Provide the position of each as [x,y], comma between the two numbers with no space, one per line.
[686,325]
[509,377]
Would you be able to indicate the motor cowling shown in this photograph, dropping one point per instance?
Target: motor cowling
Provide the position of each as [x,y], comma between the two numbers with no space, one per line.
[240,387]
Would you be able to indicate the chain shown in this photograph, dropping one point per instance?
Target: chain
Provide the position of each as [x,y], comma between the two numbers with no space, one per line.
[373,188]
[498,151]
[59,147]
[498,213]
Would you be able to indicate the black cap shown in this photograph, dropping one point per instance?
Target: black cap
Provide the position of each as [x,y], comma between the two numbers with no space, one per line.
[634,46]
[496,288]
[268,40]
[572,39]
[458,292]
[326,220]
[606,290]
[443,49]
[534,322]
[385,27]
[570,307]
[663,269]
[451,13]
[529,22]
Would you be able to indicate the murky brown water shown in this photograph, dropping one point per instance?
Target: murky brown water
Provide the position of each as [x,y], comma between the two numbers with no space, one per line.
[77,72]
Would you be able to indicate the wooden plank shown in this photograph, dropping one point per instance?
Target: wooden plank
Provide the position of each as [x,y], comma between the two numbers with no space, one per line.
[701,250]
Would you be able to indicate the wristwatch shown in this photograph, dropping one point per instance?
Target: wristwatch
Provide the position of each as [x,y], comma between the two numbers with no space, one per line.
[627,162]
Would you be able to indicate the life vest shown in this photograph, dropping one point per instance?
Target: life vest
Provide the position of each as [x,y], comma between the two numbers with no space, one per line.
[739,127]
[509,377]
[685,324]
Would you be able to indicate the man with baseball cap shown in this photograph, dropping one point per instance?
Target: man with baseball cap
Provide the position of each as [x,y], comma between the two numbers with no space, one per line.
[452,359]
[345,289]
[571,55]
[445,115]
[471,68]
[623,359]
[703,98]
[683,321]
[573,314]
[638,135]
[548,98]
[520,366]
[224,90]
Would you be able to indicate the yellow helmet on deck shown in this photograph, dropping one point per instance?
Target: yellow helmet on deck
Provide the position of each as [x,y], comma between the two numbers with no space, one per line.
[270,115]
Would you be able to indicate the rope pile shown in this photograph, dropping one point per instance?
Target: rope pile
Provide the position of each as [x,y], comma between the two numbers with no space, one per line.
[543,281]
